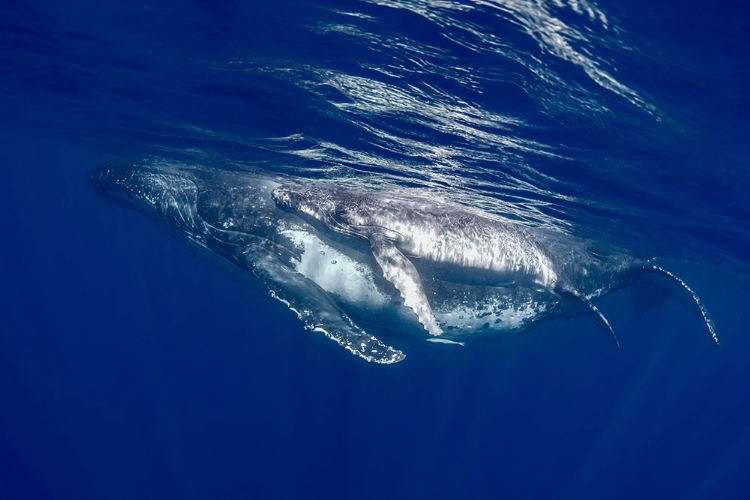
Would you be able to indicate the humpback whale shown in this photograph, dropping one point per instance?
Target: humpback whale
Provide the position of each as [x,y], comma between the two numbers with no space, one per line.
[356,265]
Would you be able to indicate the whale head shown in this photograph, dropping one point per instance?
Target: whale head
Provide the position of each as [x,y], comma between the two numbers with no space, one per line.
[165,192]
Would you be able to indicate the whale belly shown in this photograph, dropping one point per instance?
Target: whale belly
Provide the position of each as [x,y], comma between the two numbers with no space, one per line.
[350,280]
[470,311]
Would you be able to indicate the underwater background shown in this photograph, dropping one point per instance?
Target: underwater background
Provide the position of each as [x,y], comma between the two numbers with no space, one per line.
[131,368]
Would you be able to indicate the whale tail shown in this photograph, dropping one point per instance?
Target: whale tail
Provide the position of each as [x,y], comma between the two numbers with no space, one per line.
[575,304]
[650,287]
[652,284]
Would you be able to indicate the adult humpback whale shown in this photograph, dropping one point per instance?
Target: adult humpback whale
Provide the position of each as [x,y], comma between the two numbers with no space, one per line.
[352,264]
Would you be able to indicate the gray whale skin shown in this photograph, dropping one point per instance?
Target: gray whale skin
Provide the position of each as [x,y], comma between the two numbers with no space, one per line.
[357,265]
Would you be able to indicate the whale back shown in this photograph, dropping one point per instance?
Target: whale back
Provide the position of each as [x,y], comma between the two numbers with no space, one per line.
[451,241]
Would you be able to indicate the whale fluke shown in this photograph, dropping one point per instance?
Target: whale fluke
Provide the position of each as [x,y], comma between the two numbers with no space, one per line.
[645,296]
[574,304]
[656,282]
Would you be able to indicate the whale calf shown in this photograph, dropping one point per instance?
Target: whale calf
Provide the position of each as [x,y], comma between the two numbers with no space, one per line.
[356,265]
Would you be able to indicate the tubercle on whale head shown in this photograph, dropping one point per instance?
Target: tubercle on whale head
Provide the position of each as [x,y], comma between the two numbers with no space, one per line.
[153,190]
[302,201]
[127,184]
[284,198]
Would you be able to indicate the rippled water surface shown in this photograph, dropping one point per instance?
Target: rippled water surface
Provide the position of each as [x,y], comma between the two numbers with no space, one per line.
[130,369]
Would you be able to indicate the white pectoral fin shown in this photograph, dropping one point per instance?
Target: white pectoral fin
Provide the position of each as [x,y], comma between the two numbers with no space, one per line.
[401,272]
[313,306]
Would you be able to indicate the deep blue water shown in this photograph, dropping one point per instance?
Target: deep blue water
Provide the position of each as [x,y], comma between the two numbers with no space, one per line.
[130,368]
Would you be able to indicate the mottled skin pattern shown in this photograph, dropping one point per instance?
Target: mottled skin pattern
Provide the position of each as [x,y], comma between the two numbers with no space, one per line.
[488,250]
[476,248]
[335,257]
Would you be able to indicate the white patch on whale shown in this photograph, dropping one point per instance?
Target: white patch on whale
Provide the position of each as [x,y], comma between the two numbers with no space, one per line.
[346,278]
[497,315]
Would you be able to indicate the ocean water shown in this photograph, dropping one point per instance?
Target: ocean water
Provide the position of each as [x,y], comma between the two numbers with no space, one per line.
[132,368]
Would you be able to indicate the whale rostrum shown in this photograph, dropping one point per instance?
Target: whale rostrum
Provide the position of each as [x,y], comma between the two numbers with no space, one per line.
[358,264]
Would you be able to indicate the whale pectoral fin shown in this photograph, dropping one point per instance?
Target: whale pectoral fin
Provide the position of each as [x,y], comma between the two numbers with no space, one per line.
[657,282]
[313,306]
[401,272]
[575,304]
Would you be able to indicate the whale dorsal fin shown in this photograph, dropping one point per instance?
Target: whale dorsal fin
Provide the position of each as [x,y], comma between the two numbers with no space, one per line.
[401,272]
[575,304]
